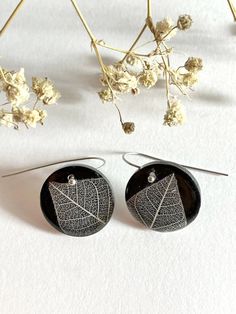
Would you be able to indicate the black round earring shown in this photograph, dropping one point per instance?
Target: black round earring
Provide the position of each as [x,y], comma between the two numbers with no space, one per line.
[163,195]
[76,200]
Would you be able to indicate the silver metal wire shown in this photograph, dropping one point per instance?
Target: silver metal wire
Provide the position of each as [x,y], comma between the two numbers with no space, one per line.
[124,157]
[57,163]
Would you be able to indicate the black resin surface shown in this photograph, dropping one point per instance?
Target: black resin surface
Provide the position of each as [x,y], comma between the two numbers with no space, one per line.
[80,173]
[187,187]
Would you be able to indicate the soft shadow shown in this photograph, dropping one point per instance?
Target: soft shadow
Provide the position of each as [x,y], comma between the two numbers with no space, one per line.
[232,29]
[214,98]
[214,45]
[19,196]
[92,61]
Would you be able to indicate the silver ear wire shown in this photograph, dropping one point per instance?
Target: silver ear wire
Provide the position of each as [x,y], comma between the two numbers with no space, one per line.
[124,157]
[57,163]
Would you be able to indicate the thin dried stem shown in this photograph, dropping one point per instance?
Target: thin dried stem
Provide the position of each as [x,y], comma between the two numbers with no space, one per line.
[149,8]
[120,116]
[163,38]
[6,103]
[167,79]
[77,9]
[11,17]
[93,41]
[146,43]
[135,42]
[101,44]
[102,65]
[141,32]
[232,8]
[35,104]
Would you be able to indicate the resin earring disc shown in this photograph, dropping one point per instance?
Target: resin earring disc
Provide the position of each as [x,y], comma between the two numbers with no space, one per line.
[163,196]
[77,200]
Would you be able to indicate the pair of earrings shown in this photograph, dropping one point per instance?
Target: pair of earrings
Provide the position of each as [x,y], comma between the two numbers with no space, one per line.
[78,200]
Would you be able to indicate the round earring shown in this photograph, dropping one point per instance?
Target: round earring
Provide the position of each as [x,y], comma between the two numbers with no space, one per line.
[163,195]
[76,200]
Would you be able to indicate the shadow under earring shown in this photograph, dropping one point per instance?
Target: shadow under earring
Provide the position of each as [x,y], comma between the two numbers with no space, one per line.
[163,195]
[76,200]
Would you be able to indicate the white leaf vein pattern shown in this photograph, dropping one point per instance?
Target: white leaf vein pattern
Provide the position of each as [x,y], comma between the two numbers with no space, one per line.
[159,206]
[83,207]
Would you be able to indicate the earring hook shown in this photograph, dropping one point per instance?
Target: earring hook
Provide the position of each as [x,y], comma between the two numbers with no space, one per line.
[124,157]
[57,163]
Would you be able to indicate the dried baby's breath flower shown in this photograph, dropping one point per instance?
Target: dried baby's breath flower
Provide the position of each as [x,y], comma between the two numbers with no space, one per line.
[24,114]
[193,64]
[165,28]
[128,127]
[119,79]
[45,90]
[17,92]
[148,78]
[136,70]
[6,119]
[15,87]
[30,117]
[189,79]
[106,95]
[174,114]
[184,22]
[17,95]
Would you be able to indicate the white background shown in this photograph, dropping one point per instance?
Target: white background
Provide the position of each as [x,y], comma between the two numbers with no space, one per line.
[124,269]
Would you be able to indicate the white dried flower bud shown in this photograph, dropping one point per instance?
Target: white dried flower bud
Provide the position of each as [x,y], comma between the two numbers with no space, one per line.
[193,64]
[189,79]
[119,79]
[184,22]
[15,87]
[174,114]
[31,117]
[163,28]
[148,78]
[106,95]
[6,119]
[45,90]
[24,114]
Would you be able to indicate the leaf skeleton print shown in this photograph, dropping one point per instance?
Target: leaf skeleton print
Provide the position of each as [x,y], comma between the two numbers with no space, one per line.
[83,208]
[159,206]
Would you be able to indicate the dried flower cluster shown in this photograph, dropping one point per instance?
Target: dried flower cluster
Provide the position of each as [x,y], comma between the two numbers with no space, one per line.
[138,70]
[135,71]
[18,93]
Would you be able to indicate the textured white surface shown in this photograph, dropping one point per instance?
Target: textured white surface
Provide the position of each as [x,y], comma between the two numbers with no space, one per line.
[124,269]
